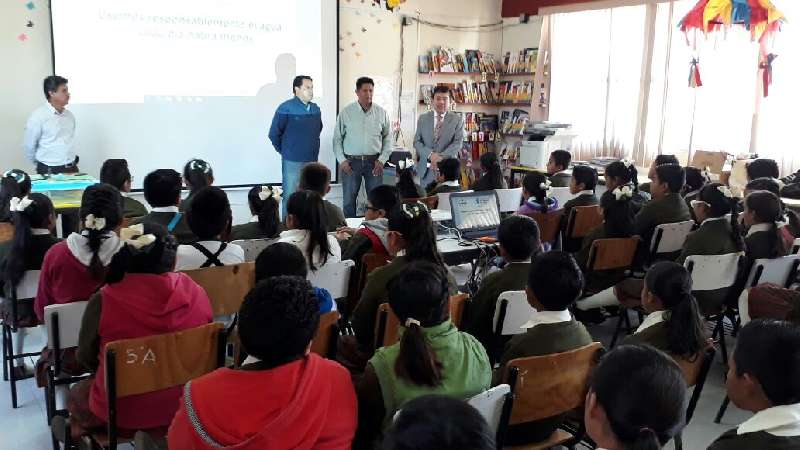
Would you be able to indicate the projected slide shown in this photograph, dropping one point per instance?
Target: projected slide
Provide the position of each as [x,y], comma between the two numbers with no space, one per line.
[160,82]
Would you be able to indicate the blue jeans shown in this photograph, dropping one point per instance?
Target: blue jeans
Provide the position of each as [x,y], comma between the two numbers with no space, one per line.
[351,183]
[290,172]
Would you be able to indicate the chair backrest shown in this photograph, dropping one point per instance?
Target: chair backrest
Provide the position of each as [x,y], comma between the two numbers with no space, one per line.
[780,271]
[458,303]
[610,254]
[511,312]
[324,343]
[444,200]
[550,385]
[491,405]
[226,286]
[562,194]
[796,247]
[509,199]
[333,276]
[387,325]
[549,224]
[253,247]
[695,371]
[66,319]
[369,262]
[28,286]
[7,231]
[711,272]
[670,237]
[583,219]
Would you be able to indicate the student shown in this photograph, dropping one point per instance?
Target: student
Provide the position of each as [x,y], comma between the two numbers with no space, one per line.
[789,225]
[284,259]
[519,242]
[75,268]
[491,174]
[439,422]
[762,168]
[317,177]
[447,178]
[661,160]
[14,183]
[762,214]
[283,396]
[557,167]
[34,220]
[371,237]
[411,237]
[432,357]
[623,173]
[695,180]
[116,173]
[667,205]
[717,235]
[209,218]
[162,190]
[582,185]
[197,174]
[406,186]
[764,378]
[143,297]
[305,220]
[264,202]
[673,323]
[536,195]
[553,285]
[636,400]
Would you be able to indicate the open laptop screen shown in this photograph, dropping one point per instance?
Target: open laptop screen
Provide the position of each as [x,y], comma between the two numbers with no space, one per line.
[475,210]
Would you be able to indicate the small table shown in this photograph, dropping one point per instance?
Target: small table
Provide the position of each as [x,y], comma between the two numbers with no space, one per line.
[65,191]
[455,252]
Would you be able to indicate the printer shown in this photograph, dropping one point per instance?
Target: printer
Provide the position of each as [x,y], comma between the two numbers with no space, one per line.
[542,138]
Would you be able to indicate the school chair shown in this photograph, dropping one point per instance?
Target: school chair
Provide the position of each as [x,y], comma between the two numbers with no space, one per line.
[154,363]
[444,199]
[253,247]
[369,262]
[458,306]
[781,271]
[668,240]
[796,247]
[6,231]
[495,405]
[562,194]
[511,312]
[509,199]
[430,202]
[24,291]
[326,336]
[548,223]
[387,325]
[226,286]
[548,386]
[714,273]
[695,371]
[334,277]
[582,220]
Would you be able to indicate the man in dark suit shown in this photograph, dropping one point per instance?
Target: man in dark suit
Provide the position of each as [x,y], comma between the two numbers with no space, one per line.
[440,135]
[162,190]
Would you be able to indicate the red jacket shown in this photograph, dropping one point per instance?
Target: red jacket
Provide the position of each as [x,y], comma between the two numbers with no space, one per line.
[306,404]
[63,280]
[146,305]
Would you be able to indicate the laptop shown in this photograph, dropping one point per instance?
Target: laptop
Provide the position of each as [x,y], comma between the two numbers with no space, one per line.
[475,214]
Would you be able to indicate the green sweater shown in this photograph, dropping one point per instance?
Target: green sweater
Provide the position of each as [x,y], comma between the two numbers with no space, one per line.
[714,237]
[132,208]
[760,440]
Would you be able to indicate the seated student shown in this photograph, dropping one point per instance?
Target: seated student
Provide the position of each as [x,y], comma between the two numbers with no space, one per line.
[667,205]
[317,177]
[305,220]
[661,160]
[75,268]
[34,220]
[432,357]
[116,173]
[162,190]
[283,396]
[716,235]
[557,166]
[763,168]
[789,225]
[282,258]
[762,215]
[439,422]
[407,188]
[637,399]
[553,285]
[624,173]
[764,378]
[411,237]
[264,202]
[695,180]
[536,195]
[197,174]
[582,185]
[447,178]
[142,297]
[491,174]
[519,242]
[14,183]
[673,323]
[209,218]
[371,237]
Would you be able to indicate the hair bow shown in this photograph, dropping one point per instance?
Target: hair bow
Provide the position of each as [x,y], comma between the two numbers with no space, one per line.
[623,192]
[269,191]
[726,191]
[411,321]
[17,175]
[546,186]
[413,210]
[198,164]
[627,162]
[19,204]
[706,172]
[405,164]
[134,236]
[94,223]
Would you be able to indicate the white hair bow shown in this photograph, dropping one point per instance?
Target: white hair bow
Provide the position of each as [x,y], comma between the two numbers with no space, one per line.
[269,191]
[627,162]
[623,192]
[134,236]
[726,191]
[200,165]
[411,321]
[706,173]
[405,164]
[94,223]
[19,177]
[19,204]
[545,186]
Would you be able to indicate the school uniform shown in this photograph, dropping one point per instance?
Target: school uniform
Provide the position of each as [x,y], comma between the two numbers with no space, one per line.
[669,209]
[548,332]
[480,316]
[250,230]
[531,206]
[560,179]
[335,216]
[757,242]
[301,239]
[132,208]
[482,184]
[370,238]
[652,331]
[172,219]
[445,187]
[411,192]
[584,198]
[198,255]
[40,243]
[776,428]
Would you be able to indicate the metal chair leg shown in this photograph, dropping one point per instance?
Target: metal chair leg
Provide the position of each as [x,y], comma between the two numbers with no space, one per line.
[619,327]
[722,408]
[12,373]
[5,354]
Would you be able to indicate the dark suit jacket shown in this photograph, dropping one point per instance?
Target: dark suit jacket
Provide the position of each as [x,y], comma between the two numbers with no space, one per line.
[760,440]
[181,231]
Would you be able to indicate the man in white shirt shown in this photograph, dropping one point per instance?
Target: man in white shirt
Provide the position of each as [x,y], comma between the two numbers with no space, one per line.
[440,135]
[50,131]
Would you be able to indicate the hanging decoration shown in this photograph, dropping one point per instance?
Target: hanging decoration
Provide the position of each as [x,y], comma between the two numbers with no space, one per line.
[694,74]
[766,71]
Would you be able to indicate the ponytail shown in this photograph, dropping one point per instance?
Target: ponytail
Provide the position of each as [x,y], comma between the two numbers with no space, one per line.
[766,207]
[645,439]
[156,257]
[536,184]
[492,171]
[14,183]
[309,211]
[413,222]
[405,184]
[672,284]
[736,232]
[722,202]
[100,202]
[416,360]
[198,174]
[37,211]
[266,210]
[625,171]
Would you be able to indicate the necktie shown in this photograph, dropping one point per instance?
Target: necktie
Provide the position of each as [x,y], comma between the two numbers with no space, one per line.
[437,130]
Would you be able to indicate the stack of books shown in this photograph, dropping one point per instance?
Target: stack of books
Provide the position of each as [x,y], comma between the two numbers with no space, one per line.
[445,60]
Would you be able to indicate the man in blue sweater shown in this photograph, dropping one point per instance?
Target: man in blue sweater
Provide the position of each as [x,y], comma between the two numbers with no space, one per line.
[295,132]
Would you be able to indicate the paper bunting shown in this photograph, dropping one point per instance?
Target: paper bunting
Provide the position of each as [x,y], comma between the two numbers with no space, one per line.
[760,17]
[30,6]
[22,37]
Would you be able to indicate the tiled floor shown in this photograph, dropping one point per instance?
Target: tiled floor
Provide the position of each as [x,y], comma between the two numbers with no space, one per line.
[24,428]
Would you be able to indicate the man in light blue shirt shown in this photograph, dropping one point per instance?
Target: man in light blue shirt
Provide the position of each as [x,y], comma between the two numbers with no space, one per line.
[50,131]
[362,144]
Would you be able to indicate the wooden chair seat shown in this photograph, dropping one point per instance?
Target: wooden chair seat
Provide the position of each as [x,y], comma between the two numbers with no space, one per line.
[582,220]
[558,437]
[549,224]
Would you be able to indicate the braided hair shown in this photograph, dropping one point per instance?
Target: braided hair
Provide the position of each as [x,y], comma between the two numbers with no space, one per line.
[720,205]
[766,208]
[102,201]
[36,215]
[14,183]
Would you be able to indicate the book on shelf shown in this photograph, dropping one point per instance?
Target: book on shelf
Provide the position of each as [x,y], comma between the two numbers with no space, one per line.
[515,122]
[515,92]
[445,60]
[424,63]
[523,61]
